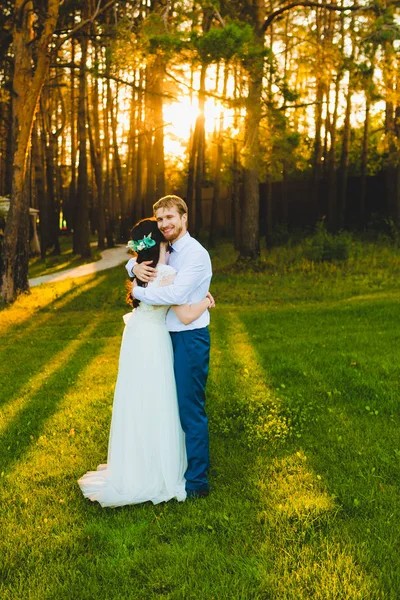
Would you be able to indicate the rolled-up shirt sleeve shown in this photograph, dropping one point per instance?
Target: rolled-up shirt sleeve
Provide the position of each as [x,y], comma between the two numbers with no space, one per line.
[189,277]
[130,265]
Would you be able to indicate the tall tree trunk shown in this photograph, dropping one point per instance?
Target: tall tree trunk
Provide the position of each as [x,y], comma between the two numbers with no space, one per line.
[50,147]
[390,129]
[250,242]
[268,208]
[27,86]
[96,154]
[107,108]
[218,164]
[344,158]
[131,178]
[140,158]
[38,165]
[396,206]
[200,166]
[317,150]
[149,140]
[332,215]
[82,214]
[71,212]
[364,161]
[159,162]
[236,170]
[200,137]
[124,227]
[192,173]
[286,69]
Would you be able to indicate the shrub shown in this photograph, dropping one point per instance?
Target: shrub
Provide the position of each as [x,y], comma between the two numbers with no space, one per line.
[383,229]
[324,246]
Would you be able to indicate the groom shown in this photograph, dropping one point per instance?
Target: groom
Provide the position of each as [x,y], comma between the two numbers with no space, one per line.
[191,343]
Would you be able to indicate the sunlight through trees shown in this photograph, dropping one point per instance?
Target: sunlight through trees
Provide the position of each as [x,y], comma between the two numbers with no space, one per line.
[261,115]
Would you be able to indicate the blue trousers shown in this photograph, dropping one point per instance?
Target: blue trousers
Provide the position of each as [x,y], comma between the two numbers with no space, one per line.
[191,359]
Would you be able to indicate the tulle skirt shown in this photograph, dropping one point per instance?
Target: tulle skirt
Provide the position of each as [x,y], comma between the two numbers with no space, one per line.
[146,452]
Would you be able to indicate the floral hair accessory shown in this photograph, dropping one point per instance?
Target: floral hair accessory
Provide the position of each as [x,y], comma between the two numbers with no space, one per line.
[139,245]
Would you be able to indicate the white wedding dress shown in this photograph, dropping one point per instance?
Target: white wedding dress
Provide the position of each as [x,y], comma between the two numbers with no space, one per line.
[146,452]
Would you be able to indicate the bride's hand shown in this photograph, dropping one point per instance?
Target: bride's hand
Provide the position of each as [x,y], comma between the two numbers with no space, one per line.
[143,272]
[211,299]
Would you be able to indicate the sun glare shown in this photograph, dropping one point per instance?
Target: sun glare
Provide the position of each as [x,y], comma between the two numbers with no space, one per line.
[180,118]
[180,115]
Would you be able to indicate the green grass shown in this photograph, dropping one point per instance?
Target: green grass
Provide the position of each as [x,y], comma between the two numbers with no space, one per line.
[66,260]
[303,399]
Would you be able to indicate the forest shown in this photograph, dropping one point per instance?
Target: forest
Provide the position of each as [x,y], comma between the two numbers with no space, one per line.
[263,115]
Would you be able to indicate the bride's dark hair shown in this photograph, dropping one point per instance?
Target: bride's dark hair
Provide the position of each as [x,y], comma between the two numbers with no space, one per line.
[138,232]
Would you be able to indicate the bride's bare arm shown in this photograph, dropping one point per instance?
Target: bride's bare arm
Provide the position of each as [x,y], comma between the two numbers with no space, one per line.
[187,313]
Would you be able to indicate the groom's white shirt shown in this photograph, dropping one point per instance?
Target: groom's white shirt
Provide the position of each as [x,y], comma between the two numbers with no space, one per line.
[193,265]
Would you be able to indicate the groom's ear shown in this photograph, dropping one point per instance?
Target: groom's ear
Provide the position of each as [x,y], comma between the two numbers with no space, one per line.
[185,218]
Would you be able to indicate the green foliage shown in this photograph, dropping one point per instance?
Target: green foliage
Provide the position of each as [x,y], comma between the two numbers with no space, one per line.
[166,43]
[375,143]
[384,29]
[289,95]
[222,43]
[383,229]
[323,246]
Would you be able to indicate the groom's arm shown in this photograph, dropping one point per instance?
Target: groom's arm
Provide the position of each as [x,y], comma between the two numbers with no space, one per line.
[130,266]
[188,278]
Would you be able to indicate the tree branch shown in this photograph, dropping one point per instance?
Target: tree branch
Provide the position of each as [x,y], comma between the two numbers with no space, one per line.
[100,75]
[231,102]
[309,4]
[82,24]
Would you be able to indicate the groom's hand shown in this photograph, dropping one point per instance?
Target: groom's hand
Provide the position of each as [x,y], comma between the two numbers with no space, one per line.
[143,272]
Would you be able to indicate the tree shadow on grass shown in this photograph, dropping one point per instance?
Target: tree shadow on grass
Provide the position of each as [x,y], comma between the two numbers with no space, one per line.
[340,454]
[29,347]
[301,553]
[264,532]
[65,358]
[22,433]
[26,310]
[201,549]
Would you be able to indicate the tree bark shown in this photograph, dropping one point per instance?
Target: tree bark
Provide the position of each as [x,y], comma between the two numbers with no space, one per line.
[27,87]
[200,151]
[332,216]
[218,165]
[250,239]
[159,161]
[96,156]
[364,161]
[82,214]
[50,148]
[71,212]
[317,151]
[344,159]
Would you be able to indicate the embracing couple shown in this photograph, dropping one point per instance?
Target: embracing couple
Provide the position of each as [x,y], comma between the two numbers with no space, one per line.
[158,447]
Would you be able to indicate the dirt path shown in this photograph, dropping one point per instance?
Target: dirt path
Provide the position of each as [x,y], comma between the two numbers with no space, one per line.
[109,258]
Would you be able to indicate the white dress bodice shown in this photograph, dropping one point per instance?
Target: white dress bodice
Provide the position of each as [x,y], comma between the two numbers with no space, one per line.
[155,314]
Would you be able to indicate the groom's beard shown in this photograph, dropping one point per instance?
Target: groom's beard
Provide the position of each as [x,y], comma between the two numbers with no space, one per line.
[173,234]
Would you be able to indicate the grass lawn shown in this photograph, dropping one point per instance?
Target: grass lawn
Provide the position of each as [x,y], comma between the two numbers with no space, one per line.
[304,407]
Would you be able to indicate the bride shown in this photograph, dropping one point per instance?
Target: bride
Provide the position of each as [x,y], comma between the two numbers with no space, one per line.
[146,451]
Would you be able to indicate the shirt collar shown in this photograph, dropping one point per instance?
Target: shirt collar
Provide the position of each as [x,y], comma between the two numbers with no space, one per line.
[181,243]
